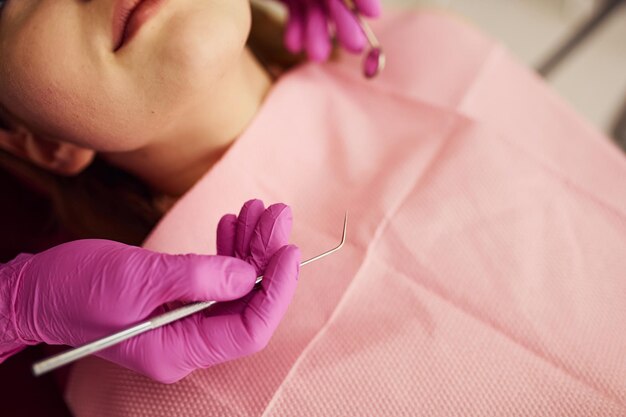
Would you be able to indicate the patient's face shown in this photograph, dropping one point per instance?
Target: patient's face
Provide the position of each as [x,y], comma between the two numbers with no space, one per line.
[60,75]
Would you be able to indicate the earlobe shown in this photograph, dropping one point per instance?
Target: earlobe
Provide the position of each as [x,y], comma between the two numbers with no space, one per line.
[62,158]
[70,159]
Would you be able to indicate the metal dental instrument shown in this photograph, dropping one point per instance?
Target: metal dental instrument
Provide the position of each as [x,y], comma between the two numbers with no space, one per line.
[72,355]
[374,61]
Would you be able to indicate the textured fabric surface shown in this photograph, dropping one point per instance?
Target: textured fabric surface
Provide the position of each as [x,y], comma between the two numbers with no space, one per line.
[484,268]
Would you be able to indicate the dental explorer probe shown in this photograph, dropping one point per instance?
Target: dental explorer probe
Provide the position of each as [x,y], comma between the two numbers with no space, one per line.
[56,361]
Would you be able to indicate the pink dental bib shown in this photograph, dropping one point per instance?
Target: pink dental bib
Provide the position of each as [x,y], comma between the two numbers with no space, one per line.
[484,271]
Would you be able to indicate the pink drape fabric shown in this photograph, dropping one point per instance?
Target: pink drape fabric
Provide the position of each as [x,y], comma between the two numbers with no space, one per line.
[484,271]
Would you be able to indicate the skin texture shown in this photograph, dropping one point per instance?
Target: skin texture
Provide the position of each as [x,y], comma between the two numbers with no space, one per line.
[186,77]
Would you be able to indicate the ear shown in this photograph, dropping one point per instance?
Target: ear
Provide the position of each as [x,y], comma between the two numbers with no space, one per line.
[62,158]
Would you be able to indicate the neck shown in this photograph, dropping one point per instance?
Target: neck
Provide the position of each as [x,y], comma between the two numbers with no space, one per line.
[172,166]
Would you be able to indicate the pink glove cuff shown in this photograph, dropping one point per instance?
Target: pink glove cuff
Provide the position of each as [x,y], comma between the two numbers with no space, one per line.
[11,341]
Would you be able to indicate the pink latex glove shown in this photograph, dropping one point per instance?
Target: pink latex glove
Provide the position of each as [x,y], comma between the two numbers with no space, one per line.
[308,25]
[83,290]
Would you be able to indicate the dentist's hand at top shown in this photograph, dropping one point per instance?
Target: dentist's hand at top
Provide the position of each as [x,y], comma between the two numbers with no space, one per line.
[309,20]
[84,290]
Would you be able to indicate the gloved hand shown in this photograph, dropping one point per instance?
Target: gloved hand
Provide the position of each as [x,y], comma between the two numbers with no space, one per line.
[308,20]
[83,290]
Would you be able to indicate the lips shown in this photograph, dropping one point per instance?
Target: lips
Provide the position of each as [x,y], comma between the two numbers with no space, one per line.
[128,17]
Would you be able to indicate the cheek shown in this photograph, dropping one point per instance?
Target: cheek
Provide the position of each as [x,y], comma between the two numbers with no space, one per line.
[33,82]
[54,80]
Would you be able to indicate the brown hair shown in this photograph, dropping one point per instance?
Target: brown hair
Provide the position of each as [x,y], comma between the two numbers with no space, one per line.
[106,202]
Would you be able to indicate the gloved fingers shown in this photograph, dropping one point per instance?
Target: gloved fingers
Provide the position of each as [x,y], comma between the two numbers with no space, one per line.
[266,308]
[369,8]
[246,223]
[231,336]
[294,29]
[163,354]
[347,29]
[171,352]
[317,37]
[229,307]
[226,232]
[271,233]
[199,278]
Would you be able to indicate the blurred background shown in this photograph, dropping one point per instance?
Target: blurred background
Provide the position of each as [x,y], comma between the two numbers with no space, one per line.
[579,46]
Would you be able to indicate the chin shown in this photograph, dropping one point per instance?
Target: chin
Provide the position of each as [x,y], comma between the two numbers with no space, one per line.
[176,67]
[201,45]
